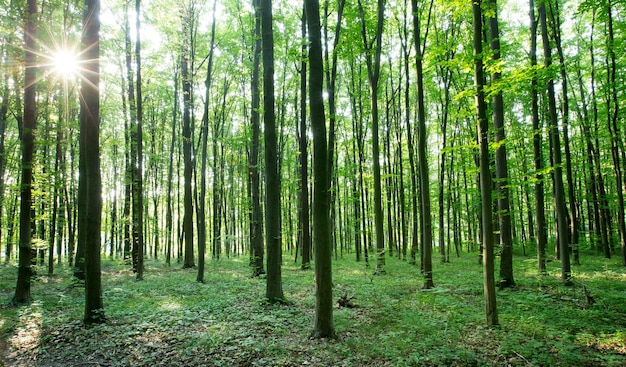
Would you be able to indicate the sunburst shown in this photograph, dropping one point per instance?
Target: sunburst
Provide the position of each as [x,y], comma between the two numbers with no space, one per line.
[65,63]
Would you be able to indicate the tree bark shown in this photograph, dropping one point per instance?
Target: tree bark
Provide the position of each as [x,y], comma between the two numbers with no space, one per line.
[489,290]
[321,195]
[424,178]
[187,76]
[202,237]
[502,171]
[256,213]
[169,222]
[617,144]
[29,124]
[559,191]
[574,221]
[274,287]
[138,166]
[4,109]
[373,73]
[537,151]
[90,140]
[303,200]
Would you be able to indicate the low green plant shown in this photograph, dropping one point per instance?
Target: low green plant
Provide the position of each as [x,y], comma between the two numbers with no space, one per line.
[170,319]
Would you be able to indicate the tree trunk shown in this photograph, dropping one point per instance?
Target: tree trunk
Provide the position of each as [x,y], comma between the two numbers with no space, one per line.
[617,144]
[502,171]
[542,237]
[559,191]
[303,200]
[331,82]
[256,214]
[202,238]
[274,287]
[424,178]
[485,174]
[321,195]
[373,73]
[29,123]
[169,223]
[89,138]
[409,129]
[187,76]
[574,221]
[4,109]
[138,166]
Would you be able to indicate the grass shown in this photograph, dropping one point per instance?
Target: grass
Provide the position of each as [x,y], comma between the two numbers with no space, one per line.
[170,319]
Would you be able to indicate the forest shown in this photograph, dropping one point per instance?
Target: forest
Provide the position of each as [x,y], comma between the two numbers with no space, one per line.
[386,182]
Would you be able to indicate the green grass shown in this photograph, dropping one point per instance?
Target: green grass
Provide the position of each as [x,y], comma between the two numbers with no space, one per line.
[170,319]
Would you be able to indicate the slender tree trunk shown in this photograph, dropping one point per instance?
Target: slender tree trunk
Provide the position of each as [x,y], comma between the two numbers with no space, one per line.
[542,237]
[424,178]
[387,170]
[303,200]
[131,146]
[411,149]
[218,175]
[485,174]
[574,221]
[331,90]
[442,164]
[169,223]
[617,144]
[202,237]
[186,75]
[55,201]
[90,140]
[373,73]
[502,171]
[113,225]
[29,124]
[404,233]
[359,141]
[256,214]
[4,109]
[603,228]
[138,176]
[559,191]
[321,195]
[274,289]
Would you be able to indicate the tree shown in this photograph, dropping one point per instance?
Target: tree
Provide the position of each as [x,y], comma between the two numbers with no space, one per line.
[489,290]
[90,148]
[617,144]
[373,76]
[205,129]
[274,289]
[29,124]
[321,194]
[303,199]
[256,213]
[559,191]
[537,152]
[331,90]
[187,76]
[169,221]
[424,178]
[137,129]
[4,109]
[502,171]
[574,221]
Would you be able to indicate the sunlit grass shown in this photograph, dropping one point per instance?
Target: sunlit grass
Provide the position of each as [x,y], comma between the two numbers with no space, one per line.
[169,317]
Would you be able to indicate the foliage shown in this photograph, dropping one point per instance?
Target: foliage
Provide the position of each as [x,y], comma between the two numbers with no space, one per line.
[169,319]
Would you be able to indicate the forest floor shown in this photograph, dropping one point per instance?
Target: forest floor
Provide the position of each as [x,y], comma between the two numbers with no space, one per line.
[169,319]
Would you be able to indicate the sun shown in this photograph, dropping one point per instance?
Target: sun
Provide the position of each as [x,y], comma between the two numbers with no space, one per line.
[65,63]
